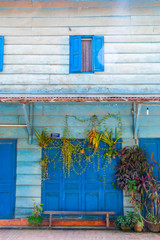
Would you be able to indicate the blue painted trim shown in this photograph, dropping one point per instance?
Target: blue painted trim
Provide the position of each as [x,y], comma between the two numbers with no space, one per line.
[1,52]
[75,54]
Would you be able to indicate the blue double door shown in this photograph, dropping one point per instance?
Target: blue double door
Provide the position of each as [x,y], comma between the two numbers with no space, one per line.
[7,178]
[90,191]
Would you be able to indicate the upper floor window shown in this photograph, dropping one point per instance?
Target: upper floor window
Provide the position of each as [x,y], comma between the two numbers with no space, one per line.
[86,54]
[1,52]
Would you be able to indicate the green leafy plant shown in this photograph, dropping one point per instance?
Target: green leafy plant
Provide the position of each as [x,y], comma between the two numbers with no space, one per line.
[152,218]
[36,219]
[75,153]
[132,186]
[67,150]
[44,167]
[136,174]
[139,219]
[107,138]
[94,138]
[43,138]
[127,221]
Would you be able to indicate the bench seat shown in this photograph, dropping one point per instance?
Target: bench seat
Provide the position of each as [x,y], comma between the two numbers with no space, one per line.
[78,213]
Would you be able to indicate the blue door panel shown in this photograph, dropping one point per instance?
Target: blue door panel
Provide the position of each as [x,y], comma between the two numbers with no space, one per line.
[150,145]
[7,178]
[52,198]
[83,192]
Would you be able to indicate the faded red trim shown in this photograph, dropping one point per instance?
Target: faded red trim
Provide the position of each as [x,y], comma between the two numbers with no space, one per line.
[79,99]
[56,4]
[24,222]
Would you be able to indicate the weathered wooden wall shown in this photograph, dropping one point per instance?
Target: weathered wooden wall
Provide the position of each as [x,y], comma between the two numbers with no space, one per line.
[36,61]
[52,116]
[36,52]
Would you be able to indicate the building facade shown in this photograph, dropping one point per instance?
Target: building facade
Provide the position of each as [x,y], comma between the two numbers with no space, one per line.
[78,58]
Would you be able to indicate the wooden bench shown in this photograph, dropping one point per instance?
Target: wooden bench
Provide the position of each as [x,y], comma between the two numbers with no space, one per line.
[78,213]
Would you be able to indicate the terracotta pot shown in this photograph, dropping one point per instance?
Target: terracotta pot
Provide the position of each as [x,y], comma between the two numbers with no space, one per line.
[154,227]
[138,227]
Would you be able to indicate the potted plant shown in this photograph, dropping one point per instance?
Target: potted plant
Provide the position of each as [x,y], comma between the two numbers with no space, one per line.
[36,219]
[126,222]
[153,223]
[152,202]
[132,166]
[139,224]
[107,137]
[43,138]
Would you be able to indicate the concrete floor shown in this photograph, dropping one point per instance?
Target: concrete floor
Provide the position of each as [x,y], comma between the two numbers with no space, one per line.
[9,234]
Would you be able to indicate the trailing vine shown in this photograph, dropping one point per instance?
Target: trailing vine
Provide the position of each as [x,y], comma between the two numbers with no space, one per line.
[78,155]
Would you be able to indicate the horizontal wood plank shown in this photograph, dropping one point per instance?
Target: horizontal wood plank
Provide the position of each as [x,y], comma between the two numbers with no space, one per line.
[80,12]
[85,89]
[63,22]
[78,212]
[109,48]
[114,68]
[64,40]
[32,31]
[79,79]
[64,59]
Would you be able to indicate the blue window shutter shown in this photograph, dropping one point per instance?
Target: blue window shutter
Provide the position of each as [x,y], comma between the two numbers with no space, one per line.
[98,53]
[1,52]
[75,54]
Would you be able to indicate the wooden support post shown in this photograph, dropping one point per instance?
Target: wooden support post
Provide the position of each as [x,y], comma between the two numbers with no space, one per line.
[137,110]
[50,220]
[31,121]
[28,120]
[107,220]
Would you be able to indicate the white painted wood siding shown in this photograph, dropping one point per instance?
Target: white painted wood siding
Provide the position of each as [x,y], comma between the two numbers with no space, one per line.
[36,51]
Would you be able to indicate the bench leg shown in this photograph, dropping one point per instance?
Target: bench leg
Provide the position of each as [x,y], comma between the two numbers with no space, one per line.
[50,220]
[107,220]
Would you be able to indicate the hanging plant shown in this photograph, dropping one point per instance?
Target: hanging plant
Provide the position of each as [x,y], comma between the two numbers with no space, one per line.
[94,135]
[44,167]
[43,138]
[94,139]
[107,138]
[67,151]
[78,155]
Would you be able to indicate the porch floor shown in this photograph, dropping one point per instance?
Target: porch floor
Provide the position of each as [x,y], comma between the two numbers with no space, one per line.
[8,234]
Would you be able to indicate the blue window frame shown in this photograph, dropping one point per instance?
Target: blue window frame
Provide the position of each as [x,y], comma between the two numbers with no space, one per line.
[1,52]
[97,53]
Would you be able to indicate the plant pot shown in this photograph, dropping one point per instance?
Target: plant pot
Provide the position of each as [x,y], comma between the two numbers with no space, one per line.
[154,227]
[124,228]
[138,227]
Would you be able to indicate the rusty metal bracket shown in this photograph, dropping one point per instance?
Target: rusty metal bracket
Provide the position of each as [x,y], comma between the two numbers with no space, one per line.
[29,120]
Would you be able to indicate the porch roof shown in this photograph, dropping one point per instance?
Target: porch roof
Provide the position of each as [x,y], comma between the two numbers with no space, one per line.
[74,98]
